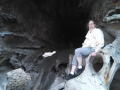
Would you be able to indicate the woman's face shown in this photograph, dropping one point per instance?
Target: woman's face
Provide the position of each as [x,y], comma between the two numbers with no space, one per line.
[91,25]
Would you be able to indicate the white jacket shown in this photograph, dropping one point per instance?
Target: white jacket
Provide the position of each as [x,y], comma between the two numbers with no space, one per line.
[95,39]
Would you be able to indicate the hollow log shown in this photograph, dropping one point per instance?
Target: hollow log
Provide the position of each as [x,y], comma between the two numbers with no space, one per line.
[90,79]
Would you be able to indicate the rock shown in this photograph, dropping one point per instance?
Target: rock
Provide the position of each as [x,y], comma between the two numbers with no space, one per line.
[19,80]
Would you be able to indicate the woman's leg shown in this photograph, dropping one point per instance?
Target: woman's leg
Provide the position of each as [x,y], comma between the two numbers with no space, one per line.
[82,52]
[77,62]
[79,54]
[77,59]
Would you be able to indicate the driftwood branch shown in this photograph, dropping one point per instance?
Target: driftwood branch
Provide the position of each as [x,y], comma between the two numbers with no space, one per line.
[38,82]
[113,14]
[90,79]
[58,86]
[69,66]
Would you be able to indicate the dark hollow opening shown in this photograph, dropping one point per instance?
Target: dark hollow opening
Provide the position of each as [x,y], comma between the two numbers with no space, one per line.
[69,20]
[97,63]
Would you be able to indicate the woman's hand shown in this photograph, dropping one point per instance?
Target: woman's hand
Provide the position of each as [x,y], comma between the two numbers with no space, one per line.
[94,54]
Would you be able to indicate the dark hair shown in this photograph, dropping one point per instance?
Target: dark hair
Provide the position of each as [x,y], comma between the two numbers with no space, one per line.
[93,22]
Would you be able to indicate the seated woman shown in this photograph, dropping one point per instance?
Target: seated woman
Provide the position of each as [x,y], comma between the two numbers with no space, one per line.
[92,44]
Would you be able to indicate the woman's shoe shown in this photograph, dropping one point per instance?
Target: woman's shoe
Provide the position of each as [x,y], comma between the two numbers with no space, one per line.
[70,76]
[79,71]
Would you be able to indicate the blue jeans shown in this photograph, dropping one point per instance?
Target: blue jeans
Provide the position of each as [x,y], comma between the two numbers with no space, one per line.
[81,53]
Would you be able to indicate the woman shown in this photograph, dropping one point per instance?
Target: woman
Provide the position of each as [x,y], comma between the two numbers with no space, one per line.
[92,44]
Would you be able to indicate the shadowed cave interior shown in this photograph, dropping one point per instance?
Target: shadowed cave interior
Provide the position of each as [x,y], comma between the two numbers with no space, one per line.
[70,21]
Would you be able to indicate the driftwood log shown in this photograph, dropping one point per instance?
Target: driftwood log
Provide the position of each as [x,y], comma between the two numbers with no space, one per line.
[90,79]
